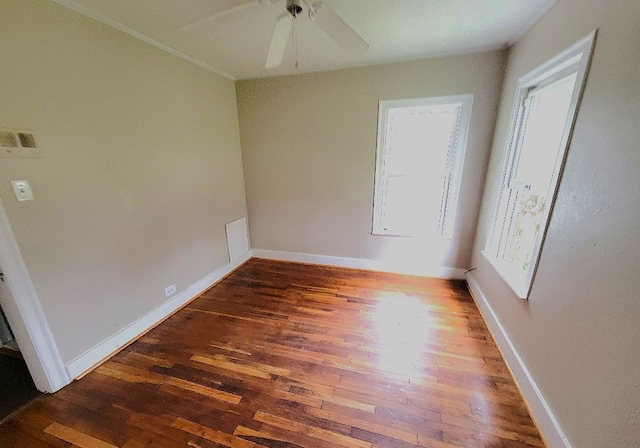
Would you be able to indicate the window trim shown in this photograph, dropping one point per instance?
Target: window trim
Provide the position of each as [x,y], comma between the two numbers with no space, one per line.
[576,56]
[448,215]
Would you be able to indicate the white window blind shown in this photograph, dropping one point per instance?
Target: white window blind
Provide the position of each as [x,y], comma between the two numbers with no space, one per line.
[420,152]
[541,125]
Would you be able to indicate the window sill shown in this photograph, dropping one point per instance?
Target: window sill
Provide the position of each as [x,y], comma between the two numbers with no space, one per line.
[506,273]
[431,236]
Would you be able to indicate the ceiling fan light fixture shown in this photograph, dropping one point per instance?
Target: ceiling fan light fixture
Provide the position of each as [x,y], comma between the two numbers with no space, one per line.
[294,7]
[319,13]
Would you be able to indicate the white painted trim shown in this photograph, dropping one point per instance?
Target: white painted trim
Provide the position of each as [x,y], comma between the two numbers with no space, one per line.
[362,263]
[538,406]
[106,348]
[449,207]
[576,58]
[70,4]
[26,317]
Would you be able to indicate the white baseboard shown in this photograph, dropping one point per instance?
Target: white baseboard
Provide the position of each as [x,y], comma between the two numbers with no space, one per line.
[538,407]
[106,348]
[362,263]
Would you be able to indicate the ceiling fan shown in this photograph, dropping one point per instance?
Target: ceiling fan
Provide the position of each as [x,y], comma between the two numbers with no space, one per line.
[318,12]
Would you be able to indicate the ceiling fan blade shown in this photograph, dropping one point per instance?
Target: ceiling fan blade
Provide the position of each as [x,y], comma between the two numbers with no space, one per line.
[281,33]
[339,30]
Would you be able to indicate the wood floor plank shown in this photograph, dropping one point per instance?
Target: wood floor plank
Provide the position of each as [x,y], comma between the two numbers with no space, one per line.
[285,355]
[318,433]
[239,368]
[78,438]
[203,390]
[275,437]
[365,425]
[214,435]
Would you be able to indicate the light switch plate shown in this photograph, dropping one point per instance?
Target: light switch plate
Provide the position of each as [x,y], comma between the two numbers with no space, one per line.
[22,190]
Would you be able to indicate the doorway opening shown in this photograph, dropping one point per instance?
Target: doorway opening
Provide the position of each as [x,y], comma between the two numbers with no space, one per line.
[22,308]
[16,385]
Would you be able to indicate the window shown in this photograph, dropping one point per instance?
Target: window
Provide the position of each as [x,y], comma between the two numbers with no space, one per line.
[547,100]
[421,145]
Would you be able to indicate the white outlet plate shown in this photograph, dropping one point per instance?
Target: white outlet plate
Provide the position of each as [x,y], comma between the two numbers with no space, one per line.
[22,190]
[170,290]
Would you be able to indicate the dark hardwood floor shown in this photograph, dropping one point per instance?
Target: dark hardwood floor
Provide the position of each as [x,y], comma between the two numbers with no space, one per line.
[290,355]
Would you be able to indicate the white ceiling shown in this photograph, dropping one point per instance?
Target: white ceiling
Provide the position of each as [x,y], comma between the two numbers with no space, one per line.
[236,45]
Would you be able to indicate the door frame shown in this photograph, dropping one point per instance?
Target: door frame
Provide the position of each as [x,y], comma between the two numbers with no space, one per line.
[26,317]
[5,332]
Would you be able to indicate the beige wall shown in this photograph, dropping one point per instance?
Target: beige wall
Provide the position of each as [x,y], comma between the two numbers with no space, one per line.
[579,333]
[142,169]
[309,145]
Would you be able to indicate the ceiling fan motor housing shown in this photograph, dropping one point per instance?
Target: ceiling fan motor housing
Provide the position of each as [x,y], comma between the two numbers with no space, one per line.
[294,7]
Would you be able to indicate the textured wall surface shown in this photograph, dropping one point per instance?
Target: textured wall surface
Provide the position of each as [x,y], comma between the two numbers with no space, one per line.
[142,169]
[579,331]
[309,147]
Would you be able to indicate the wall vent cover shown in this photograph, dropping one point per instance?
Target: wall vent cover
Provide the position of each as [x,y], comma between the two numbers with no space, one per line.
[19,143]
[237,238]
